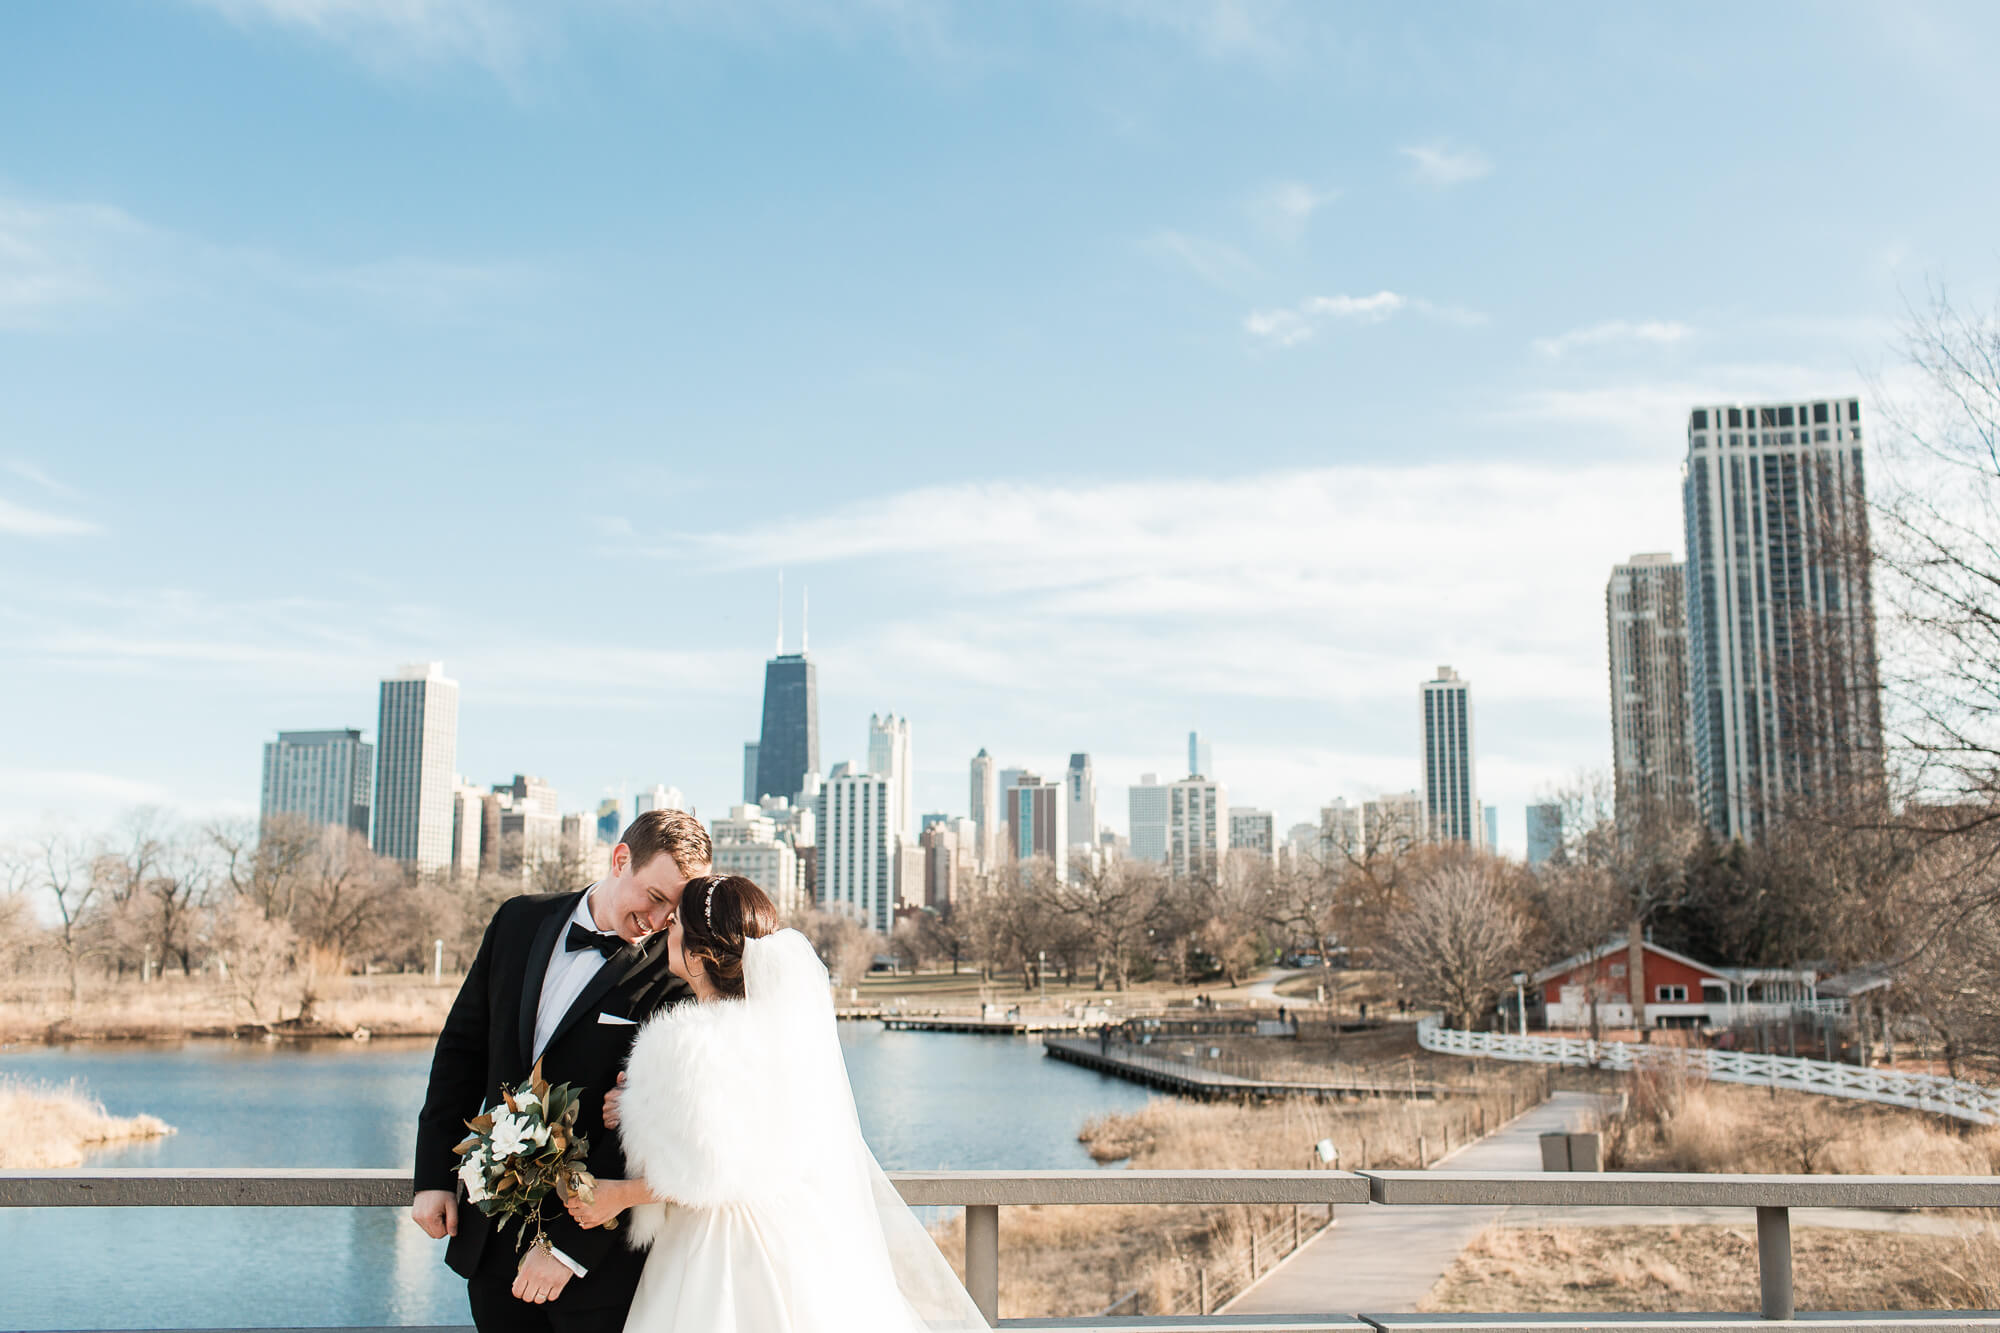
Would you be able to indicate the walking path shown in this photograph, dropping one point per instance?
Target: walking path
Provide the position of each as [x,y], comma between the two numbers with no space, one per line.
[1386,1258]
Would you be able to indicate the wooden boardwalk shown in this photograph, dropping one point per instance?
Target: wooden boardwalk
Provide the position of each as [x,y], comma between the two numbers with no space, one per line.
[1123,1061]
[1005,1027]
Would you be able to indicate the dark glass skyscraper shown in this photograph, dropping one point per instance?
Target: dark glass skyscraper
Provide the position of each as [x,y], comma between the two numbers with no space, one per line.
[788,749]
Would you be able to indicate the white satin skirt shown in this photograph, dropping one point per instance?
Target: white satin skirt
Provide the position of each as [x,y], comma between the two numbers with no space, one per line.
[713,1270]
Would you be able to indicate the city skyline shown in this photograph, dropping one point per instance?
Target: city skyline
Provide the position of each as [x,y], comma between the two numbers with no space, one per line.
[1274,359]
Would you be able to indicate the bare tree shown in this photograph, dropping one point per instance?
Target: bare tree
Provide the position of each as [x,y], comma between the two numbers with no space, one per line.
[1111,902]
[58,862]
[255,953]
[1460,938]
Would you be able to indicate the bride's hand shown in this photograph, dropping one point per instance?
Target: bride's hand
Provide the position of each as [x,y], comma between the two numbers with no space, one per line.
[611,1197]
[611,1101]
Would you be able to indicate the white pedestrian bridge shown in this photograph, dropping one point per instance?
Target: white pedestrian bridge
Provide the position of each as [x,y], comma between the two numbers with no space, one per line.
[984,1193]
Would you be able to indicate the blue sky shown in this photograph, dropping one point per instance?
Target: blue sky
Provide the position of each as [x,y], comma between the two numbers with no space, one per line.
[1106,369]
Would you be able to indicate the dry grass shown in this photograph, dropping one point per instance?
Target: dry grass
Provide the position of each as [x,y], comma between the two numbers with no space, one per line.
[174,1006]
[54,1127]
[1076,1261]
[1675,1123]
[1715,1268]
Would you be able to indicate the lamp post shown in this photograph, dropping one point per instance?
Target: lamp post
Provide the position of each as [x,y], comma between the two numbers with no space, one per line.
[1521,999]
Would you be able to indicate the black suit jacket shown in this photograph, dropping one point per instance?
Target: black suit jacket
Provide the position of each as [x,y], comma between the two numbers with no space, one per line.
[487,1042]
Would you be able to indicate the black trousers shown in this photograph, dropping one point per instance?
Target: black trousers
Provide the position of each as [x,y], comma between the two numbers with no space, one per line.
[595,1303]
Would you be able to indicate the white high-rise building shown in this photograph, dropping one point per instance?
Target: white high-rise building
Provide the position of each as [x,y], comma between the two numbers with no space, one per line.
[1197,827]
[416,760]
[1785,692]
[1645,618]
[889,757]
[658,797]
[1253,830]
[1080,786]
[746,842]
[525,819]
[985,808]
[1146,807]
[1451,792]
[857,848]
[323,776]
[468,828]
[1389,824]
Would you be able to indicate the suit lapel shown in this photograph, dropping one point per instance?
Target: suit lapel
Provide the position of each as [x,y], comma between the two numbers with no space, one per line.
[538,971]
[627,962]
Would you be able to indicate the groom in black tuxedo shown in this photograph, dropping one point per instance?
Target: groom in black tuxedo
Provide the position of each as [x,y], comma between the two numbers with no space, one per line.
[565,978]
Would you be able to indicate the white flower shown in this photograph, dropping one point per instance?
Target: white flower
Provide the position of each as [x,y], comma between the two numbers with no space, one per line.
[526,1100]
[510,1135]
[473,1173]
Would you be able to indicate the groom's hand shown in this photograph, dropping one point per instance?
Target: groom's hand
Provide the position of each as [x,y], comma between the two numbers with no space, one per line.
[542,1277]
[436,1211]
[612,1101]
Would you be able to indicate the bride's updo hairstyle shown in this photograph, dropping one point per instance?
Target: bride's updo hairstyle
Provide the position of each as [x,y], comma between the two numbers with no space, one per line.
[718,913]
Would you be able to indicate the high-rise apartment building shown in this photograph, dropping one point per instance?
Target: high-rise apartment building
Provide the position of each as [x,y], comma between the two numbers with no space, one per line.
[1080,785]
[857,848]
[416,762]
[323,776]
[1645,618]
[1037,821]
[1785,695]
[1545,832]
[1146,808]
[985,808]
[746,842]
[1451,793]
[1388,825]
[659,796]
[1197,827]
[947,861]
[468,829]
[529,824]
[1253,830]
[889,757]
[788,748]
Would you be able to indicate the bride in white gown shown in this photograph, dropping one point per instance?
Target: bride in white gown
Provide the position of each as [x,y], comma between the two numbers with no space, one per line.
[764,1209]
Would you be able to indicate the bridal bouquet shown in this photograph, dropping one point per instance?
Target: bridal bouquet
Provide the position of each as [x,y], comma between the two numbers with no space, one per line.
[522,1150]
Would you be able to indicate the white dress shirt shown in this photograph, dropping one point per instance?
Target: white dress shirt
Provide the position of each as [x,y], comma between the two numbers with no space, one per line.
[570,970]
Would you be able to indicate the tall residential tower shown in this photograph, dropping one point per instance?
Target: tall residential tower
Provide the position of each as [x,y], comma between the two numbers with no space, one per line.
[1785,692]
[323,776]
[1645,620]
[1451,792]
[416,759]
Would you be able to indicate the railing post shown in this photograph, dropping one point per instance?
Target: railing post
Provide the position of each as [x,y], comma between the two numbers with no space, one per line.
[1202,1276]
[982,1257]
[1774,1261]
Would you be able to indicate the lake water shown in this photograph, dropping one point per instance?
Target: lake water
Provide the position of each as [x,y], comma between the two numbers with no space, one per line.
[926,1100]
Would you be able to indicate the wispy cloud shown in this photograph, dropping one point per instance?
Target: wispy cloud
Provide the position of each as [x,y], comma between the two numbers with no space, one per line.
[1218,264]
[1285,210]
[20,521]
[27,471]
[1653,412]
[1440,164]
[1288,326]
[397,34]
[1659,332]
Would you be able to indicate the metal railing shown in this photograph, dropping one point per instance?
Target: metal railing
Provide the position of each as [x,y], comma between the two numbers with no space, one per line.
[1953,1097]
[983,1193]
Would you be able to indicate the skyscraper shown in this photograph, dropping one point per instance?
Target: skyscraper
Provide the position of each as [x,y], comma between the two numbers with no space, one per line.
[856,866]
[788,749]
[1146,806]
[750,792]
[1037,815]
[468,829]
[1201,757]
[1451,795]
[1785,694]
[416,758]
[985,808]
[889,757]
[324,776]
[1081,788]
[1645,618]
[658,797]
[1545,832]
[1492,839]
[1197,827]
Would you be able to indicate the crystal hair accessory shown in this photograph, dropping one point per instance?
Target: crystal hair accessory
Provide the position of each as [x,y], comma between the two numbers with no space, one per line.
[708,907]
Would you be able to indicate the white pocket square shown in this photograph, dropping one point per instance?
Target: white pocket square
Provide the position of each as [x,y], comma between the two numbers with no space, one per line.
[616,1021]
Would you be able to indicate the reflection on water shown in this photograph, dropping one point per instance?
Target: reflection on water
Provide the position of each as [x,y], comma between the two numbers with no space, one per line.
[927,1100]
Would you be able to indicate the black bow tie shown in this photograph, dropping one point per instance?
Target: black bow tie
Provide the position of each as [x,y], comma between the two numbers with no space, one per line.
[579,938]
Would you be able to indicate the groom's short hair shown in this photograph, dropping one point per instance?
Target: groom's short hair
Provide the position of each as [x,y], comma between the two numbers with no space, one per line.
[675,833]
